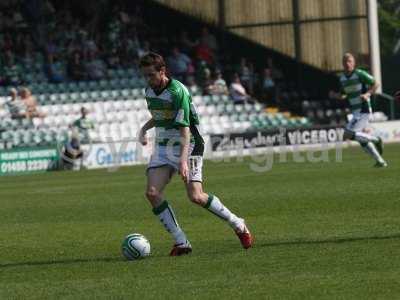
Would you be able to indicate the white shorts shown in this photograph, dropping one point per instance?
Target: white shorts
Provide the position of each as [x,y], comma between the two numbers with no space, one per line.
[359,122]
[164,156]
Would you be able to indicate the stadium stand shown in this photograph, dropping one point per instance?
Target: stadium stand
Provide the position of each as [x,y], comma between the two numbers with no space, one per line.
[41,60]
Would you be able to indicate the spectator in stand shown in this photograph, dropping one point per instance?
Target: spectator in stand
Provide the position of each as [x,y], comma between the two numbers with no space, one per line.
[27,52]
[219,86]
[113,59]
[144,49]
[237,91]
[246,74]
[15,106]
[89,45]
[204,53]
[209,39]
[54,69]
[276,73]
[30,104]
[192,86]
[203,76]
[268,88]
[7,43]
[11,72]
[72,46]
[51,45]
[81,126]
[179,64]
[76,68]
[186,44]
[207,82]
[95,67]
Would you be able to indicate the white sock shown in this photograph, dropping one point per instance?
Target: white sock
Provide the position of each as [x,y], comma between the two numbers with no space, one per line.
[168,219]
[363,137]
[215,206]
[371,150]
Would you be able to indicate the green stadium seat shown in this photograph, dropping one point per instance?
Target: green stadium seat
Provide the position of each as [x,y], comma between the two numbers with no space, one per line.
[93,85]
[114,84]
[115,94]
[103,85]
[124,82]
[83,86]
[111,73]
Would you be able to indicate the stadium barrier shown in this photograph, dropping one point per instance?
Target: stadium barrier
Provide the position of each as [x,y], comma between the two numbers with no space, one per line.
[130,152]
[292,140]
[388,131]
[113,154]
[28,160]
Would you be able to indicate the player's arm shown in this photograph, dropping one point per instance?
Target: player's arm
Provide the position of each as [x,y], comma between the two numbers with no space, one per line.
[370,81]
[370,91]
[183,162]
[341,95]
[182,106]
[142,132]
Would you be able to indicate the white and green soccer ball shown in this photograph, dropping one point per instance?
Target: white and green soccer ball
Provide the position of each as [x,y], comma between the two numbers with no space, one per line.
[135,246]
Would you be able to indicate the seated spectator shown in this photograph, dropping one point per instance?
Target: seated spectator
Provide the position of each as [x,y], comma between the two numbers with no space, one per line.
[246,74]
[76,69]
[113,59]
[30,104]
[82,126]
[89,45]
[27,59]
[192,86]
[276,74]
[95,67]
[15,106]
[54,69]
[209,39]
[268,88]
[219,86]
[204,53]
[51,46]
[143,50]
[207,82]
[179,64]
[71,153]
[27,51]
[11,73]
[186,44]
[237,91]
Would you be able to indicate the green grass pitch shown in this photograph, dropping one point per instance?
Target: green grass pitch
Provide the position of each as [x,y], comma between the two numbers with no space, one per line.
[323,230]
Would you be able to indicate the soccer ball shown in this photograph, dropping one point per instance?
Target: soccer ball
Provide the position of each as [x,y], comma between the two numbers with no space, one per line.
[135,246]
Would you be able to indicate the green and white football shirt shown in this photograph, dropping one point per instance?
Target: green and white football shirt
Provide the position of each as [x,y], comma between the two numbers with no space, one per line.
[171,109]
[83,124]
[353,86]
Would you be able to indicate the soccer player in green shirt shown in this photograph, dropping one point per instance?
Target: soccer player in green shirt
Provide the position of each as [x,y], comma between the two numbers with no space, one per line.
[178,147]
[357,86]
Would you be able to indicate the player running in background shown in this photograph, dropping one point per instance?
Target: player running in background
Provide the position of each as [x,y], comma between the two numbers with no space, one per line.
[178,147]
[357,86]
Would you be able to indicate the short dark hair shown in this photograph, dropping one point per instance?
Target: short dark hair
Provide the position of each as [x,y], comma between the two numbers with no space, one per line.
[152,59]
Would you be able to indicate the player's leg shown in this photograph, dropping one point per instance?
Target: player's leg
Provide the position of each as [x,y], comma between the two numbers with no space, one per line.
[157,179]
[212,203]
[372,145]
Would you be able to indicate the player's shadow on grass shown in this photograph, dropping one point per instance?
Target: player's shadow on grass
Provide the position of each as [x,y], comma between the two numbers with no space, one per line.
[302,241]
[333,240]
[62,261]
